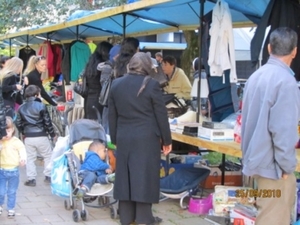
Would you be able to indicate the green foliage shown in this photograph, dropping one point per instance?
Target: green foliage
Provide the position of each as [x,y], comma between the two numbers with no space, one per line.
[17,14]
[215,158]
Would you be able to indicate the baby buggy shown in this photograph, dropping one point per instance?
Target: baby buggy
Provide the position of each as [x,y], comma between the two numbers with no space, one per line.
[81,134]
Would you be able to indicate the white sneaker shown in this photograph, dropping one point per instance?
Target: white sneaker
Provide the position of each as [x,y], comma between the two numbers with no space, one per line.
[11,213]
[1,209]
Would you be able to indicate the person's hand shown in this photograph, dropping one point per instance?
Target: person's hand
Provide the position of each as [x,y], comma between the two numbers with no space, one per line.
[167,149]
[19,87]
[108,171]
[284,176]
[26,81]
[22,162]
[54,139]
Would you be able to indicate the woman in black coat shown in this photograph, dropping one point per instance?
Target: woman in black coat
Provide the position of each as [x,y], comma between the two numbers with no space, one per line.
[10,83]
[101,54]
[33,72]
[2,116]
[138,125]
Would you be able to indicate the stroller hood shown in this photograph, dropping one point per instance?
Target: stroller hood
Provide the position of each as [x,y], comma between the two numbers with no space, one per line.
[85,129]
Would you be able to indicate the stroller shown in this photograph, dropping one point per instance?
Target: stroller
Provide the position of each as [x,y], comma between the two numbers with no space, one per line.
[81,134]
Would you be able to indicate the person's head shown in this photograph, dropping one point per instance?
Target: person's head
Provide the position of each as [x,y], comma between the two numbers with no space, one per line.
[159,57]
[101,54]
[32,91]
[37,62]
[168,64]
[129,47]
[13,66]
[99,148]
[10,128]
[283,43]
[3,60]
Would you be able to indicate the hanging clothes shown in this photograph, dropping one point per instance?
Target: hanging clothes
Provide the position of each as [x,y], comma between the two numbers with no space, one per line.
[222,43]
[92,46]
[57,58]
[46,50]
[279,13]
[25,54]
[65,63]
[80,53]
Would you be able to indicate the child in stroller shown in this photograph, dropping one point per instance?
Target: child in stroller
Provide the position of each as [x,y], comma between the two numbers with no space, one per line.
[94,169]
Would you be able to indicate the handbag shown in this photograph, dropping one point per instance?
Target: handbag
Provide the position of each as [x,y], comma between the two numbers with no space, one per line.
[106,79]
[80,86]
[60,177]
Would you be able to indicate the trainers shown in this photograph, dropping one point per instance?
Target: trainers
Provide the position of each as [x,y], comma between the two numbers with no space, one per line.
[81,192]
[30,183]
[47,180]
[1,209]
[11,213]
[111,178]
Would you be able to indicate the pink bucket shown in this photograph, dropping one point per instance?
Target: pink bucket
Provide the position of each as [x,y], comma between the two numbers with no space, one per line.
[201,206]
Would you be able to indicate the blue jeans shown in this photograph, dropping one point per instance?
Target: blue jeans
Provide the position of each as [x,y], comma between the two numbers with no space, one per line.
[9,183]
[89,178]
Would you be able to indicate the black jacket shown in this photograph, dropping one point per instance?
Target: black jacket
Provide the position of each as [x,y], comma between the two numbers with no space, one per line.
[33,119]
[34,77]
[9,90]
[2,116]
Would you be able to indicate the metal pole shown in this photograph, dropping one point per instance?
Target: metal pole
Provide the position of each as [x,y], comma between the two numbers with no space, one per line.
[10,47]
[200,33]
[124,25]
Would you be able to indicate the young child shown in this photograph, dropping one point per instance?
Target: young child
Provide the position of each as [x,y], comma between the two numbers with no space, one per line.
[12,155]
[94,169]
[34,122]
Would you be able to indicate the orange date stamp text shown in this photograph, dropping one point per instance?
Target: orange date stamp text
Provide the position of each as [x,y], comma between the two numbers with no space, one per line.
[258,193]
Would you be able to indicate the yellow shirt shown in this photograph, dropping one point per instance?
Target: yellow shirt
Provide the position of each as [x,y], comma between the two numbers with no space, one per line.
[11,153]
[179,85]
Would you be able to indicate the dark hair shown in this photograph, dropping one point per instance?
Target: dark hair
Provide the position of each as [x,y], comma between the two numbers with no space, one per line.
[32,90]
[129,47]
[283,40]
[95,144]
[101,54]
[3,60]
[170,59]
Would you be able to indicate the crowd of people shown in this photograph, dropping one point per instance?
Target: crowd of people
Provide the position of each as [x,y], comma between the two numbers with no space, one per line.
[136,119]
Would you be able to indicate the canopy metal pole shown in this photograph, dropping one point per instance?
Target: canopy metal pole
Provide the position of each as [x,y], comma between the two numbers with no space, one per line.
[77,32]
[200,33]
[10,47]
[124,25]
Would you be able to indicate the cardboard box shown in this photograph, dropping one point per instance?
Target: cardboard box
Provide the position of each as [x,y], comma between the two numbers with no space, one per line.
[216,134]
[248,220]
[232,178]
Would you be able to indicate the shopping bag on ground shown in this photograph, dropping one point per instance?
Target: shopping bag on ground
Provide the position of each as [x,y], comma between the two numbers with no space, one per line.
[60,177]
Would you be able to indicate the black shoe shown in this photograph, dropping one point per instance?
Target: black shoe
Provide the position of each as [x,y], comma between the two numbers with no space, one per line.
[30,183]
[157,220]
[47,180]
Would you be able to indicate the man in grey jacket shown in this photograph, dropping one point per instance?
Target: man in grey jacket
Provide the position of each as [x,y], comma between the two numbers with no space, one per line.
[270,115]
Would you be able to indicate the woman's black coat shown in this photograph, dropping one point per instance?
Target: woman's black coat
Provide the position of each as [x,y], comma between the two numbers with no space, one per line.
[2,116]
[138,126]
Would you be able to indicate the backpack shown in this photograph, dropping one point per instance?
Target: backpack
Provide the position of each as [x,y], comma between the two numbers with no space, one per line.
[80,86]
[106,78]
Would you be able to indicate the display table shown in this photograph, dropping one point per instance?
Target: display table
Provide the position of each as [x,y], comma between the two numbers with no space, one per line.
[228,148]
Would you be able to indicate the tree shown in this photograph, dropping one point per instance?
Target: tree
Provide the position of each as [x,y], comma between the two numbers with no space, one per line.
[16,14]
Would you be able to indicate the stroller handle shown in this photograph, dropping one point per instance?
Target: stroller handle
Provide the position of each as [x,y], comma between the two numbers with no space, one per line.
[98,115]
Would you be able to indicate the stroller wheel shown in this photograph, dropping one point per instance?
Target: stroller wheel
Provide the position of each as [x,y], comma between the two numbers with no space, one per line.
[113,212]
[67,204]
[76,215]
[84,215]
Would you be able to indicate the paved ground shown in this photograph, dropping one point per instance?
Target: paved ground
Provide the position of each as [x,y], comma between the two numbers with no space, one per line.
[36,205]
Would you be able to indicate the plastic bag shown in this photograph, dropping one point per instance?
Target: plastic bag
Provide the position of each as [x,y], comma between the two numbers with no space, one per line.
[60,177]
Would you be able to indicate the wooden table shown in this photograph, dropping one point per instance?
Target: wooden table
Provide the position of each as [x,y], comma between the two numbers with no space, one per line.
[228,148]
